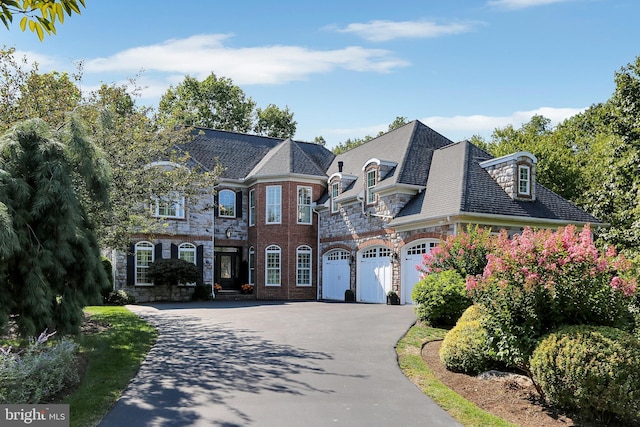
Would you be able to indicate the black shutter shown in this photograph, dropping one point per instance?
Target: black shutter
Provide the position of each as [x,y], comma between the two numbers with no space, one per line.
[239,204]
[200,263]
[215,203]
[131,266]
[157,252]
[174,251]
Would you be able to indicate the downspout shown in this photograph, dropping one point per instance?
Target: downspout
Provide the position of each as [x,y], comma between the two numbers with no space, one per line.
[213,244]
[313,208]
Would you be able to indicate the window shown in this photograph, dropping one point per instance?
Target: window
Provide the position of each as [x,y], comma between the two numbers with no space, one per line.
[187,252]
[335,188]
[144,257]
[303,269]
[524,180]
[252,266]
[273,266]
[252,207]
[304,205]
[227,204]
[371,183]
[171,206]
[274,204]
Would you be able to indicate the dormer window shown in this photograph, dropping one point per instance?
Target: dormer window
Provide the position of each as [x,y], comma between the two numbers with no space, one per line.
[335,191]
[524,180]
[371,176]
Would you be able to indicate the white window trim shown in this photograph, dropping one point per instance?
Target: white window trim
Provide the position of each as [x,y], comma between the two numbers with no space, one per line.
[272,249]
[527,191]
[178,206]
[252,266]
[308,206]
[371,197]
[188,248]
[334,204]
[304,250]
[147,246]
[279,204]
[233,204]
[252,208]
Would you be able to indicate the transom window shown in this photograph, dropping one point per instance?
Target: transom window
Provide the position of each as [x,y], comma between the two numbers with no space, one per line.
[371,183]
[524,180]
[227,203]
[171,206]
[274,204]
[144,256]
[422,248]
[272,265]
[252,207]
[304,205]
[334,194]
[303,269]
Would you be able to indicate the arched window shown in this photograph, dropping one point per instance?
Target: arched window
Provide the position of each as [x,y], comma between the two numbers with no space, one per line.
[303,266]
[227,203]
[187,252]
[144,256]
[272,269]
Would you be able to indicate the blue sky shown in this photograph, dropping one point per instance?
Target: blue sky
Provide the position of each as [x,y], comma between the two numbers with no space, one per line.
[346,69]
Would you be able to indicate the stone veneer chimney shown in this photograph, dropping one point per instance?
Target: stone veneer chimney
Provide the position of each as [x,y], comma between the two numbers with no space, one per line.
[515,173]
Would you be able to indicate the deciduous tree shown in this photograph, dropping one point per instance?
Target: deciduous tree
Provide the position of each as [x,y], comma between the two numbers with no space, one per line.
[39,16]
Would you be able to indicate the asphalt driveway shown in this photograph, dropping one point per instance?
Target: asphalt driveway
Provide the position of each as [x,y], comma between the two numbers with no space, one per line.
[224,363]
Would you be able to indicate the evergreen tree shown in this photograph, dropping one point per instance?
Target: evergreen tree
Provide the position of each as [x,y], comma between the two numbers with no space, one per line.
[53,269]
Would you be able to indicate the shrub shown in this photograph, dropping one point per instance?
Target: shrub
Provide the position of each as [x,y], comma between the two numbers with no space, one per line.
[464,348]
[592,369]
[201,293]
[108,286]
[120,297]
[465,253]
[538,281]
[440,298]
[38,372]
[173,271]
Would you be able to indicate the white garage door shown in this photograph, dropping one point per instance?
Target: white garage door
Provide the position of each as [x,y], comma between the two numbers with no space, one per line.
[335,274]
[412,257]
[374,274]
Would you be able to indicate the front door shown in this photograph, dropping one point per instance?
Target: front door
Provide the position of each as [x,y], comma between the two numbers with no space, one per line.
[227,268]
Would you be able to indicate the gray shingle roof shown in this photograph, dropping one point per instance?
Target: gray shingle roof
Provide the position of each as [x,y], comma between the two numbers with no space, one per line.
[239,154]
[457,184]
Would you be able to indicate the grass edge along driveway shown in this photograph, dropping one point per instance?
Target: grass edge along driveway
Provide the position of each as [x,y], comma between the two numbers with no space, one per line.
[409,351]
[114,357]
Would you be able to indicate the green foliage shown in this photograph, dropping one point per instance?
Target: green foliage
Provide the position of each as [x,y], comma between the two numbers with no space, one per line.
[38,372]
[465,348]
[275,122]
[119,297]
[440,298]
[592,369]
[465,252]
[39,16]
[539,281]
[108,285]
[55,269]
[173,271]
[201,293]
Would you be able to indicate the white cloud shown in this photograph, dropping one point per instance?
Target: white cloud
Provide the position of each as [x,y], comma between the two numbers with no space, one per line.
[522,4]
[458,128]
[379,31]
[202,54]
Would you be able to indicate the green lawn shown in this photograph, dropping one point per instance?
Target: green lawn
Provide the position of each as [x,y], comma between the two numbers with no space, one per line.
[114,357]
[410,359]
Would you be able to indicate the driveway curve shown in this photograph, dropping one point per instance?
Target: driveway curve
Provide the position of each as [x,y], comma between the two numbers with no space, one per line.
[280,364]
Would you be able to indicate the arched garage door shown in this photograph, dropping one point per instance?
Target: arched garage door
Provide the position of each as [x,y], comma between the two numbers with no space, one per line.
[412,255]
[336,274]
[374,274]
